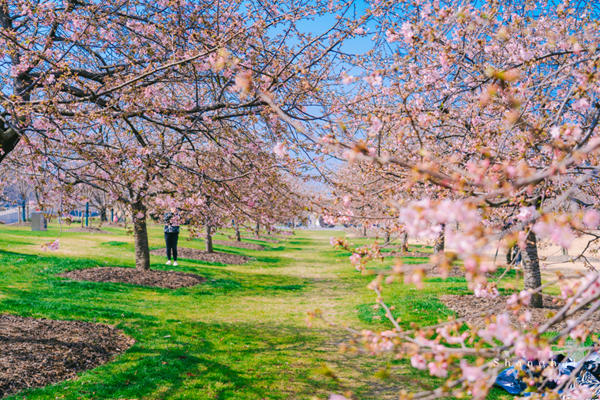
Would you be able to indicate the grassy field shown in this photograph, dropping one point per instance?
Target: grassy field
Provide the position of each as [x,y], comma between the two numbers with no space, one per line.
[242,335]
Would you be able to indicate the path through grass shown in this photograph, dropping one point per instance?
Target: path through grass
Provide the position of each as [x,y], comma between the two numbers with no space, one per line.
[242,335]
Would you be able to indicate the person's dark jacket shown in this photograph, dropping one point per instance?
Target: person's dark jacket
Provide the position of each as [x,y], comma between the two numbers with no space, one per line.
[171,226]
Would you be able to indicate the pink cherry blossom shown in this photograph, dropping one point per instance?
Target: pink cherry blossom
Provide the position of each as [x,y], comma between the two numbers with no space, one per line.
[526,55]
[407,32]
[418,361]
[471,374]
[500,330]
[280,149]
[376,126]
[486,291]
[373,79]
[581,105]
[526,213]
[439,367]
[52,246]
[347,79]
[426,10]
[591,219]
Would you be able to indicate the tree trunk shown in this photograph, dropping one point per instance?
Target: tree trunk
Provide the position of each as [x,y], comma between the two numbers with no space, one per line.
[208,239]
[140,231]
[364,232]
[238,236]
[405,242]
[257,230]
[387,237]
[103,216]
[440,241]
[82,219]
[531,269]
[9,138]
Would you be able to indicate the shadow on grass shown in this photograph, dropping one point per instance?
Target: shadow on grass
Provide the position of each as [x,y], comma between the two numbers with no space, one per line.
[21,244]
[31,304]
[223,361]
[176,355]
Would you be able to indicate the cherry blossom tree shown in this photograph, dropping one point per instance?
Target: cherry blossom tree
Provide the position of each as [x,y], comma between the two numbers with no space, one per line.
[492,109]
[455,120]
[128,96]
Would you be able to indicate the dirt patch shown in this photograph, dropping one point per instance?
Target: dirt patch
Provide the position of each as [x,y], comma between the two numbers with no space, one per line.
[90,229]
[241,245]
[19,224]
[201,255]
[466,306]
[111,225]
[39,352]
[151,277]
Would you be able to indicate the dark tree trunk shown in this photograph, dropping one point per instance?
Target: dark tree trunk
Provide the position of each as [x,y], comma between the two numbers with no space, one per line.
[387,237]
[238,236]
[257,230]
[440,241]
[9,138]
[531,269]
[140,231]
[103,216]
[364,232]
[208,239]
[404,242]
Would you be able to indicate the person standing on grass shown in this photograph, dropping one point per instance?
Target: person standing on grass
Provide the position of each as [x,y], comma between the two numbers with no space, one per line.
[172,234]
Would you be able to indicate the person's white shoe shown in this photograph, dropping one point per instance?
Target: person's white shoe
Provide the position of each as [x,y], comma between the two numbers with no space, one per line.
[175,264]
[168,262]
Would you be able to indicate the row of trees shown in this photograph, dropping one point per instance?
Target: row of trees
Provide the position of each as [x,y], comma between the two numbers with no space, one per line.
[152,105]
[477,125]
[464,118]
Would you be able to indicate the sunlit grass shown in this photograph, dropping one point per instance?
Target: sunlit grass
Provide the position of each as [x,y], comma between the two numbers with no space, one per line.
[241,335]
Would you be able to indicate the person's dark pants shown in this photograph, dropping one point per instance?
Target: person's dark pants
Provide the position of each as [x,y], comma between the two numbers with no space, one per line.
[171,240]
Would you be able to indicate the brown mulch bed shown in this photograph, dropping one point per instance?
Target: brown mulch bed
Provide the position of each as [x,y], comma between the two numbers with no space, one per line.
[201,255]
[467,305]
[90,229]
[39,352]
[150,277]
[111,225]
[241,245]
[19,224]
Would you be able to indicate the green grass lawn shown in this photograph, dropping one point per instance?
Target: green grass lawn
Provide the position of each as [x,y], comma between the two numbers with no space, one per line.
[241,335]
